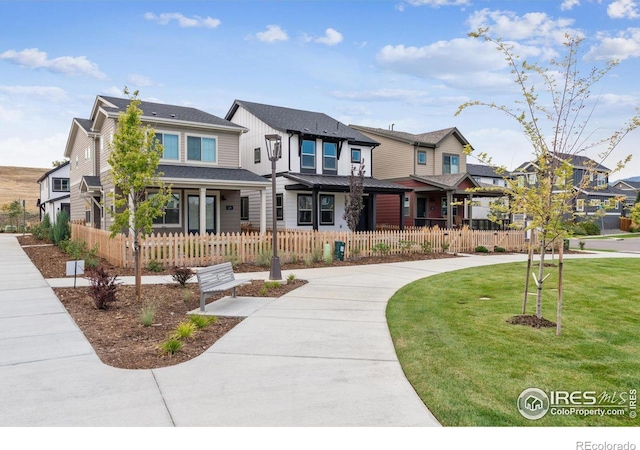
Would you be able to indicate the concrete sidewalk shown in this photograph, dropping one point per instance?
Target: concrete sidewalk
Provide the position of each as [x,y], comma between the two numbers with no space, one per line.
[318,356]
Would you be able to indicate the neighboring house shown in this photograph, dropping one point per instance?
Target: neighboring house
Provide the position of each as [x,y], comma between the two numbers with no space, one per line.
[487,177]
[201,162]
[434,166]
[630,188]
[595,200]
[54,192]
[313,173]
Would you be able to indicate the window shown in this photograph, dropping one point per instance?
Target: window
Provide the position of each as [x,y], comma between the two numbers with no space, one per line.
[454,208]
[171,214]
[60,185]
[244,208]
[580,204]
[327,209]
[450,164]
[407,206]
[256,155]
[601,179]
[170,144]
[356,155]
[308,155]
[594,202]
[532,179]
[422,157]
[520,180]
[87,154]
[305,209]
[329,156]
[201,149]
[613,204]
[279,207]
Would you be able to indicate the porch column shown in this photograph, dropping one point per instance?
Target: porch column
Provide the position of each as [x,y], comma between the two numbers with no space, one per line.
[449,209]
[314,209]
[402,210]
[263,210]
[202,227]
[471,211]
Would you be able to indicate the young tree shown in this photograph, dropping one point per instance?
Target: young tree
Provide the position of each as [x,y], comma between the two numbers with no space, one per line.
[134,158]
[354,202]
[564,109]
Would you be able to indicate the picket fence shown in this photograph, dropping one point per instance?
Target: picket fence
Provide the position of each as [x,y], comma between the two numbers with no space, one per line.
[195,250]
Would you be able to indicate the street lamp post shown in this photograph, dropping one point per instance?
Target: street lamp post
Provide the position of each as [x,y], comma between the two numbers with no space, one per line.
[274,152]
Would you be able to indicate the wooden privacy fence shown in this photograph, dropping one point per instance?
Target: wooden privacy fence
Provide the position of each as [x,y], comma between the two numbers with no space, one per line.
[195,250]
[625,223]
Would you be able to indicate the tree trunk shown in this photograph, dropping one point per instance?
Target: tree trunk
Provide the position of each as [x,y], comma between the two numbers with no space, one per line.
[559,318]
[138,269]
[540,280]
[526,283]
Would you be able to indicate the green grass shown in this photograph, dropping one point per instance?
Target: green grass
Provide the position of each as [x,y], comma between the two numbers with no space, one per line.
[612,236]
[469,365]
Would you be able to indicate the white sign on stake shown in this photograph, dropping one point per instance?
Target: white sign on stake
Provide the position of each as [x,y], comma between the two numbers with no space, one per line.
[75,267]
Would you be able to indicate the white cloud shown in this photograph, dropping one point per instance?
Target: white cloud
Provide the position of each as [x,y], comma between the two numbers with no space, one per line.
[19,152]
[533,27]
[626,44]
[140,80]
[47,92]
[331,37]
[66,65]
[621,9]
[569,4]
[114,91]
[183,21]
[274,33]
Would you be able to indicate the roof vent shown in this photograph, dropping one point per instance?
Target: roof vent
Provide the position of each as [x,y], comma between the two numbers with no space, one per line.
[173,116]
[154,113]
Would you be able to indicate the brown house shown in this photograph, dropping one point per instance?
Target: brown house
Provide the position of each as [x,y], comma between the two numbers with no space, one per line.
[432,164]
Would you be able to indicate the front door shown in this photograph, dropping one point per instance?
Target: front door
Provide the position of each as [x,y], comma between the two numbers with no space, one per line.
[193,221]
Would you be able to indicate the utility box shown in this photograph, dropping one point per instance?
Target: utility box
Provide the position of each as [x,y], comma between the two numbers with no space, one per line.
[338,250]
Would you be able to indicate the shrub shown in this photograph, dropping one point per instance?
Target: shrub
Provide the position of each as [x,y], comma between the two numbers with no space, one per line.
[581,245]
[316,255]
[499,249]
[426,247]
[171,345]
[263,291]
[184,330]
[201,321]
[103,287]
[291,277]
[482,249]
[155,266]
[147,314]
[60,230]
[264,259]
[381,248]
[590,228]
[182,275]
[445,246]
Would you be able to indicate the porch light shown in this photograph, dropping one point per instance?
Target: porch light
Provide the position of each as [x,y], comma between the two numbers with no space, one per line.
[274,152]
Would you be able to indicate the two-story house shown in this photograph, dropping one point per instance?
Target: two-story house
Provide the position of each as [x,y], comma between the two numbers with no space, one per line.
[487,177]
[55,192]
[313,174]
[594,198]
[630,188]
[201,163]
[434,166]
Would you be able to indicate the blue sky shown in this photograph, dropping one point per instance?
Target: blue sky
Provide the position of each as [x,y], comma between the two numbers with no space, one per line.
[404,62]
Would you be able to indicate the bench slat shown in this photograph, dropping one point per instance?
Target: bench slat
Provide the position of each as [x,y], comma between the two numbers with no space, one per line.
[216,278]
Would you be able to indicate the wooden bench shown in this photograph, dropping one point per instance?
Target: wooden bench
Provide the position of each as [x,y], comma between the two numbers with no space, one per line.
[214,279]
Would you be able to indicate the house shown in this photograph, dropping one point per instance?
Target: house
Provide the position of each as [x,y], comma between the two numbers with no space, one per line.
[313,174]
[434,166]
[487,177]
[55,192]
[201,162]
[595,199]
[631,189]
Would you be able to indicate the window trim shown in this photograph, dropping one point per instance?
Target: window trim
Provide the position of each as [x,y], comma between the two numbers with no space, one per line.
[61,180]
[201,137]
[580,205]
[332,210]
[359,160]
[419,154]
[257,155]
[302,155]
[163,133]
[326,169]
[450,155]
[279,206]
[244,203]
[156,221]
[407,206]
[298,210]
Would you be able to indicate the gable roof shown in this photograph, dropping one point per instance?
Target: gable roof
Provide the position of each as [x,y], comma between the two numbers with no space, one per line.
[301,122]
[163,112]
[482,170]
[46,174]
[577,161]
[634,185]
[217,174]
[431,139]
[340,183]
[445,181]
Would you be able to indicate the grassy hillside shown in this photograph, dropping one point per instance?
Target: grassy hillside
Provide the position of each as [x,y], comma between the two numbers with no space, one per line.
[21,183]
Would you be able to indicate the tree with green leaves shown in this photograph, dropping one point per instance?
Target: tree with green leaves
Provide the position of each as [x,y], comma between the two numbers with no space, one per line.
[354,202]
[14,211]
[555,121]
[141,195]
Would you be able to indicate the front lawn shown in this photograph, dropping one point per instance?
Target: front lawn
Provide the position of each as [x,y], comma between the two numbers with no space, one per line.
[469,365]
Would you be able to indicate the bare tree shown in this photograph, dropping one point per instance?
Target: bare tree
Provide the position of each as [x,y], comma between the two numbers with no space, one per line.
[354,203]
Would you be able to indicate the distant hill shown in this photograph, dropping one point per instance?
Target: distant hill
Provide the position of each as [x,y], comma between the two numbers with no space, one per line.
[635,179]
[21,183]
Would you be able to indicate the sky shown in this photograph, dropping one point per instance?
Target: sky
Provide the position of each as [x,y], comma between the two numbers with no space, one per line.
[406,64]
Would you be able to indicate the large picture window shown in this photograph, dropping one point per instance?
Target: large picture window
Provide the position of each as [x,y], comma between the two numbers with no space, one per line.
[60,185]
[170,144]
[308,160]
[201,149]
[329,156]
[327,209]
[450,164]
[305,209]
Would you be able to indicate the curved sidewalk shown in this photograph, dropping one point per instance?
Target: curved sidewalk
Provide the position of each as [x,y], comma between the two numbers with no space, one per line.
[318,356]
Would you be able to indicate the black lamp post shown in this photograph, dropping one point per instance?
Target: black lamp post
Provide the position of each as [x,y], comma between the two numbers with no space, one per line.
[274,152]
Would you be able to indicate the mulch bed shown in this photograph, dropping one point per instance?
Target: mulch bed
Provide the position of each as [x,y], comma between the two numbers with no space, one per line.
[531,321]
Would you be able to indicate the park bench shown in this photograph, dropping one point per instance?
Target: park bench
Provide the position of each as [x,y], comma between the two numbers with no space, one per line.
[214,279]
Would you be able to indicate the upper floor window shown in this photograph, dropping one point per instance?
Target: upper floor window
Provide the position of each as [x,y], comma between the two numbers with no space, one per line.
[170,145]
[532,178]
[329,156]
[601,179]
[87,153]
[356,155]
[422,157]
[201,149]
[308,155]
[450,164]
[61,185]
[256,155]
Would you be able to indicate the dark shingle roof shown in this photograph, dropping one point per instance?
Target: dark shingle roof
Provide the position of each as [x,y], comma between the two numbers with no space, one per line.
[301,122]
[86,124]
[210,173]
[482,170]
[446,181]
[169,112]
[92,182]
[577,161]
[338,183]
[46,174]
[430,139]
